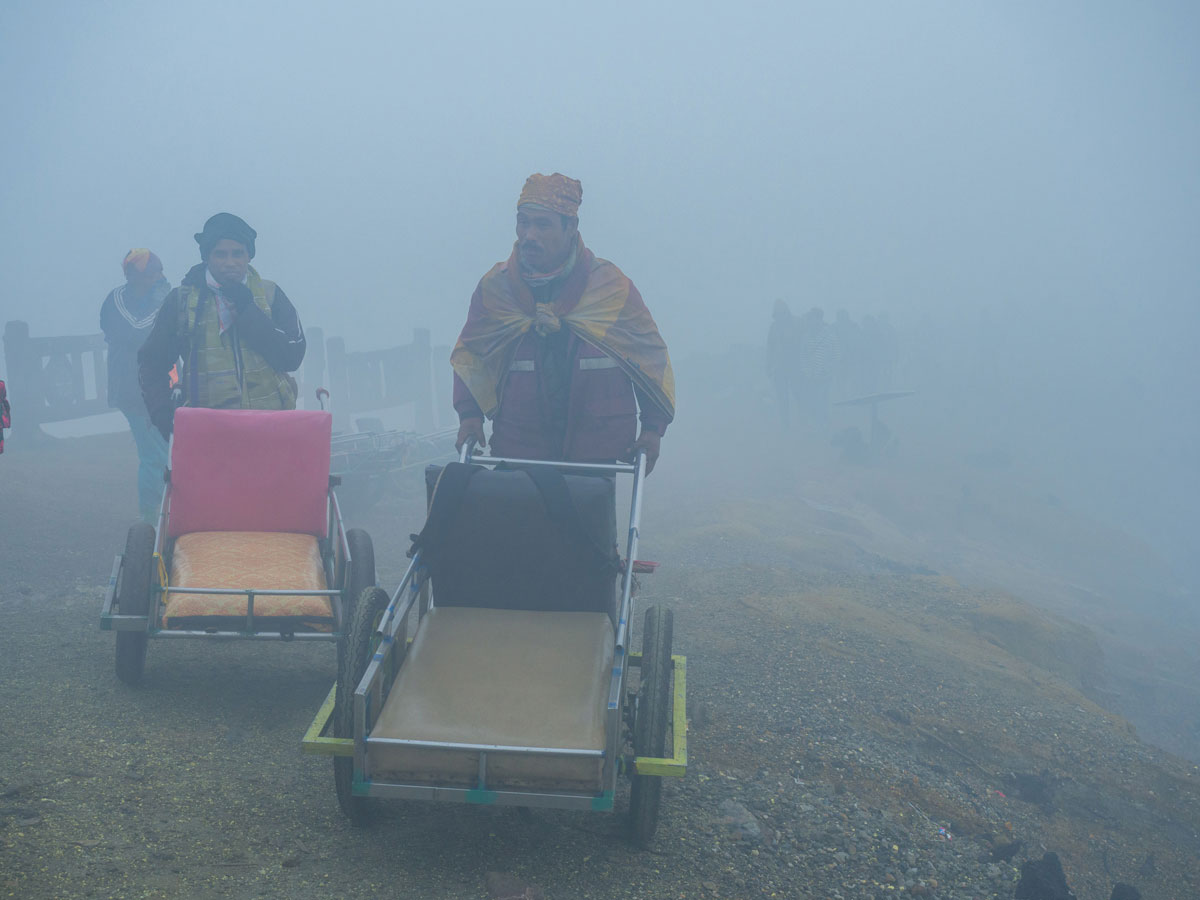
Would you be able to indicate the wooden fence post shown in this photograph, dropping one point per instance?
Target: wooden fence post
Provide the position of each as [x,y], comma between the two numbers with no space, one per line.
[424,415]
[339,383]
[443,388]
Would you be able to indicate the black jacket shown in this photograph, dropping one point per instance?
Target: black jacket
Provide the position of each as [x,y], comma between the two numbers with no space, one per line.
[279,339]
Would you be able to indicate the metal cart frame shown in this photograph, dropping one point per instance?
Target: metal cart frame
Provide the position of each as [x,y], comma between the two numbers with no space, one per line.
[335,558]
[413,598]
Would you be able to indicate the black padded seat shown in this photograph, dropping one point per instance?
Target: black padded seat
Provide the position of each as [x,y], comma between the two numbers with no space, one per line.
[521,539]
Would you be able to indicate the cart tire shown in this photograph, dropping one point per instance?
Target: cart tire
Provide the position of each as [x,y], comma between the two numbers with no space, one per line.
[360,577]
[650,724]
[359,647]
[133,599]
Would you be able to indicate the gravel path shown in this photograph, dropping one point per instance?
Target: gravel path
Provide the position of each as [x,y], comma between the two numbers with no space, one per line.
[858,730]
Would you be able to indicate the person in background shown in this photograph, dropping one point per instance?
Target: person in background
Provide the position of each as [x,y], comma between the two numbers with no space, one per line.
[558,349]
[5,414]
[126,317]
[237,333]
[781,359]
[817,358]
[849,338]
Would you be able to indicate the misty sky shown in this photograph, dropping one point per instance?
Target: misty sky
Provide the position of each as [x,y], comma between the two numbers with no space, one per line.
[1037,164]
[1039,158]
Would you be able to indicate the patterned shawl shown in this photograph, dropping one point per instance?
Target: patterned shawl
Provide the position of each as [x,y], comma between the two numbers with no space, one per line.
[598,303]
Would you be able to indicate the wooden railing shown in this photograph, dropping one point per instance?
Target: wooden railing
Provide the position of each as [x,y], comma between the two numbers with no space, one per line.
[53,379]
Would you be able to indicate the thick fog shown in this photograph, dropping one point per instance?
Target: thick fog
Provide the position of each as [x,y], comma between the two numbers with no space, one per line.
[1016,185]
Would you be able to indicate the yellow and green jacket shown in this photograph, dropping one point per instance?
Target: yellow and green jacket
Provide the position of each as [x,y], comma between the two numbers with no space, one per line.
[244,367]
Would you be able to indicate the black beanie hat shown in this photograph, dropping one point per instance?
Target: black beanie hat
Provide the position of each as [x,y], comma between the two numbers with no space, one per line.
[225,225]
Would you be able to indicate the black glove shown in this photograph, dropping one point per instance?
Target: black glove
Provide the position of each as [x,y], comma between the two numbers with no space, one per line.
[237,294]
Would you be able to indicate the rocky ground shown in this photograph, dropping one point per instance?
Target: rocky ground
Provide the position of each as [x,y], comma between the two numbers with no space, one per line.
[862,725]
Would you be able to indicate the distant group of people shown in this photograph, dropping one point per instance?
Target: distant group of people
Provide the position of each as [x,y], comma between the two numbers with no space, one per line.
[810,361]
[558,350]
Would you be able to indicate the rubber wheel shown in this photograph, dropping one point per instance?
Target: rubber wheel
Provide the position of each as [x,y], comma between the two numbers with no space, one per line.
[650,724]
[360,577]
[359,646]
[133,599]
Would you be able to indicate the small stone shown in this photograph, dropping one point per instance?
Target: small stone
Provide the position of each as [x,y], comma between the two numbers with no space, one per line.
[501,886]
[739,822]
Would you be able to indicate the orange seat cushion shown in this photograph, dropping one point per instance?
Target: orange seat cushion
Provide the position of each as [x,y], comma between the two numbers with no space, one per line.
[247,559]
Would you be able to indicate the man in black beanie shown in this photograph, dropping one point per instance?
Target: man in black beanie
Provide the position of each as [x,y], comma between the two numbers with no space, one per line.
[237,333]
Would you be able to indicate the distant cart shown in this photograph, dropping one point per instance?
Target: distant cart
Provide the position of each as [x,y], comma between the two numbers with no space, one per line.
[366,461]
[498,671]
[250,542]
[879,437]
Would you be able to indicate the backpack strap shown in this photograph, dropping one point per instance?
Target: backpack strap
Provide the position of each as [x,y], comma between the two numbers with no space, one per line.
[447,497]
[562,511]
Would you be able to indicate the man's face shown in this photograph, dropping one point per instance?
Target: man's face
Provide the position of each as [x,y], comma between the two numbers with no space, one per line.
[141,281]
[228,261]
[544,238]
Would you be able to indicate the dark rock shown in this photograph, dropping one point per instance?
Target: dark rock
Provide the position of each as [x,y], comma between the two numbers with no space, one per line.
[739,823]
[1043,880]
[1004,851]
[1037,789]
[1122,891]
[502,886]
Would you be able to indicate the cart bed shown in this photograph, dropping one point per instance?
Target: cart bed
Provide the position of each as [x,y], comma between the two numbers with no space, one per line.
[503,678]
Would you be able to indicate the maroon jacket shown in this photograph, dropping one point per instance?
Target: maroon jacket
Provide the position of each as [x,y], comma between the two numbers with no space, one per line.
[596,413]
[602,411]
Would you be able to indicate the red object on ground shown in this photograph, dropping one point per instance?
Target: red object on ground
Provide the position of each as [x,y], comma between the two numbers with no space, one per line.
[644,567]
[250,470]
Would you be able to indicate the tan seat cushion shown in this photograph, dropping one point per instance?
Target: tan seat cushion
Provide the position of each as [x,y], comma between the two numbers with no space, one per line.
[494,676]
[247,559]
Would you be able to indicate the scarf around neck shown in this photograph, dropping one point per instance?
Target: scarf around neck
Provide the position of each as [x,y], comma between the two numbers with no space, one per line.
[541,279]
[226,314]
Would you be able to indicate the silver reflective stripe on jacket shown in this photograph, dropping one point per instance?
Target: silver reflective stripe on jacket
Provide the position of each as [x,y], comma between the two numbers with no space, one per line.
[597,362]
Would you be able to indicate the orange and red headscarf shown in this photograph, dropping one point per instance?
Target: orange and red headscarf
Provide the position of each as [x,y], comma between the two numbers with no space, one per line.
[556,192]
[139,259]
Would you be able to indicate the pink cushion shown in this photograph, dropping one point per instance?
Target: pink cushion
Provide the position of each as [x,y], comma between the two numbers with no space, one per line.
[249,470]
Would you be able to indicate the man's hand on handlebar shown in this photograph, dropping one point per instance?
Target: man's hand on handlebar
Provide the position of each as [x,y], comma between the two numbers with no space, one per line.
[469,429]
[650,441]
